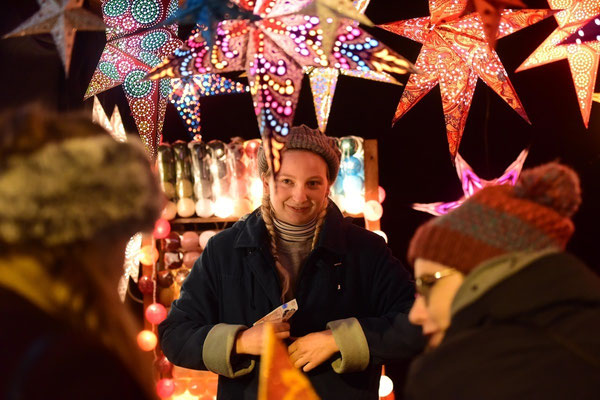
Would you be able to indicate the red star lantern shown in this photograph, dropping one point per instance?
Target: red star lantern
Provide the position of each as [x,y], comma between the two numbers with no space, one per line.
[455,54]
[583,57]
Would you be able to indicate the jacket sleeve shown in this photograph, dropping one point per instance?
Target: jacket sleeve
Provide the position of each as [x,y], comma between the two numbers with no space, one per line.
[387,335]
[192,336]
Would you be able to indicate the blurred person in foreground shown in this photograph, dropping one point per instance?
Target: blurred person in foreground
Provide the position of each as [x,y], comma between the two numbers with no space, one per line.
[508,313]
[70,198]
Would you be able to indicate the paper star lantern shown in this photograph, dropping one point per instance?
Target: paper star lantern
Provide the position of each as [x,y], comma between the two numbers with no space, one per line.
[131,264]
[471,184]
[455,55]
[323,81]
[187,92]
[490,11]
[60,18]
[113,125]
[596,97]
[330,14]
[583,58]
[587,33]
[131,51]
[274,52]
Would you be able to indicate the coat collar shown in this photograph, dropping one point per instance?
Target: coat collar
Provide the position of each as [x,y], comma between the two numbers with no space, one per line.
[253,232]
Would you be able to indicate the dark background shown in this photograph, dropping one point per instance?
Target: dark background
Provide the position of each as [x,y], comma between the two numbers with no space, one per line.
[414,161]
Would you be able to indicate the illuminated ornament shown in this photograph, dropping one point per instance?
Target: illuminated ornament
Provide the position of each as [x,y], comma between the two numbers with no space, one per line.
[181,275]
[373,210]
[386,386]
[148,255]
[351,165]
[274,52]
[186,207]
[583,58]
[353,185]
[381,194]
[204,208]
[170,211]
[187,92]
[147,340]
[382,234]
[134,46]
[589,32]
[205,236]
[162,228]
[471,184]
[146,285]
[156,313]
[456,54]
[163,366]
[224,207]
[164,278]
[490,12]
[131,265]
[165,388]
[113,125]
[189,241]
[60,18]
[190,258]
[353,204]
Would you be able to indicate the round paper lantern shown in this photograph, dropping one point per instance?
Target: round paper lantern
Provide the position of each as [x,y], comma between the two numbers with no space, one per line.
[184,188]
[351,165]
[156,313]
[148,255]
[242,207]
[173,260]
[190,258]
[146,284]
[164,278]
[382,234]
[162,228]
[189,241]
[353,185]
[353,204]
[224,207]
[381,194]
[349,145]
[204,236]
[147,340]
[373,210]
[251,148]
[172,242]
[186,207]
[204,208]
[385,386]
[181,275]
[170,211]
[165,388]
[168,189]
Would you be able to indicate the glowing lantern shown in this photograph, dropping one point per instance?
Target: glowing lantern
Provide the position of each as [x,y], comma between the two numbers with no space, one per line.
[353,204]
[170,211]
[164,366]
[386,386]
[165,388]
[156,313]
[189,241]
[190,258]
[373,210]
[147,340]
[224,207]
[146,285]
[382,234]
[256,189]
[353,185]
[162,228]
[381,194]
[204,208]
[186,207]
[148,255]
[204,236]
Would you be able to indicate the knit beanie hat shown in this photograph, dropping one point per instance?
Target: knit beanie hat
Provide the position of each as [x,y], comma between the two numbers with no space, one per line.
[304,138]
[533,215]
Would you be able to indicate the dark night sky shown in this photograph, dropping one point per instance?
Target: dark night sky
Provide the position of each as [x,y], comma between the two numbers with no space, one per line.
[414,161]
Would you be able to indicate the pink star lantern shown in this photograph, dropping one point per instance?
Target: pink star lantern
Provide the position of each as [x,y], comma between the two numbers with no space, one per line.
[583,58]
[471,184]
[455,55]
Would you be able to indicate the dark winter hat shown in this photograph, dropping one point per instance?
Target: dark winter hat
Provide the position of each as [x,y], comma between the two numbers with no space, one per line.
[304,138]
[533,215]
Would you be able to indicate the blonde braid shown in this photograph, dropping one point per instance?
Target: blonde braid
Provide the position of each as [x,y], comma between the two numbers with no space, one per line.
[319,226]
[284,274]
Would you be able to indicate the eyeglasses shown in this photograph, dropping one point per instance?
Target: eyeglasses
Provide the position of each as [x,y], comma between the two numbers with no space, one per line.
[425,282]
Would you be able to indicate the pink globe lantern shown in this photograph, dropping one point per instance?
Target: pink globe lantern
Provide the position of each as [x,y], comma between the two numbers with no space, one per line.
[147,340]
[381,194]
[162,228]
[170,211]
[190,258]
[189,241]
[156,313]
[163,365]
[204,236]
[165,388]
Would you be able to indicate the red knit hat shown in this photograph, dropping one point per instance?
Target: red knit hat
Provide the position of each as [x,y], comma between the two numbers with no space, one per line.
[533,215]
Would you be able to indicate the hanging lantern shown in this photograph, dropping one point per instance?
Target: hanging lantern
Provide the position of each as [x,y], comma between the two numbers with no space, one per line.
[373,210]
[162,228]
[165,388]
[156,313]
[148,255]
[147,340]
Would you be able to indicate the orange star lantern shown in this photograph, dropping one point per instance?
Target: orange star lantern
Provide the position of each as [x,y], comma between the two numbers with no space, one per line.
[583,58]
[455,54]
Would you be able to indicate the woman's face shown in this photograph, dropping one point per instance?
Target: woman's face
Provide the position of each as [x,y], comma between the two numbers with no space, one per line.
[432,312]
[299,192]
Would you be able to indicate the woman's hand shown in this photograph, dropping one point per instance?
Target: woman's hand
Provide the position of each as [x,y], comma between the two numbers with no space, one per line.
[250,341]
[312,350]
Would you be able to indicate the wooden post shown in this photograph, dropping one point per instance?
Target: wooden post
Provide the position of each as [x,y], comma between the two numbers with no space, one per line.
[371,178]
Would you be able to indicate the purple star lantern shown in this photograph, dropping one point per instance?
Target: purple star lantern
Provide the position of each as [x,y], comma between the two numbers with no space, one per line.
[471,184]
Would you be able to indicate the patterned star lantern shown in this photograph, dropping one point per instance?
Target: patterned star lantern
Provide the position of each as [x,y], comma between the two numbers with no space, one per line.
[596,97]
[490,12]
[583,58]
[273,52]
[455,55]
[131,51]
[587,33]
[187,92]
[113,125]
[471,184]
[60,18]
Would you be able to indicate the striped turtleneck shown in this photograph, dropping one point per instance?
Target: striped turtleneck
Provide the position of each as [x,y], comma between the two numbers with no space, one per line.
[294,233]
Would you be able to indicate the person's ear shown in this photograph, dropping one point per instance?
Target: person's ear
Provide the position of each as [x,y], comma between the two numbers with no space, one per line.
[266,181]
